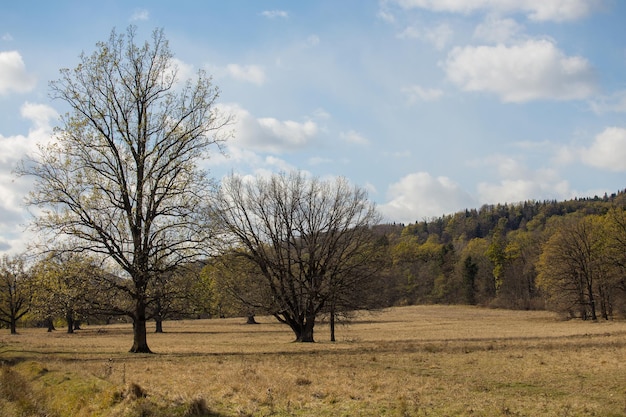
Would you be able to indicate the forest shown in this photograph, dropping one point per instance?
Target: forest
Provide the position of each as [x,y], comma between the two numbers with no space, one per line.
[565,256]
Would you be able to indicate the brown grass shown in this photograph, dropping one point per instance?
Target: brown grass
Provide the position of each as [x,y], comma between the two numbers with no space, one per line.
[411,361]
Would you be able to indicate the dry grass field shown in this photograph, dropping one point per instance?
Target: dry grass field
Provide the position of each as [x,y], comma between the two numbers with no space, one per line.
[410,361]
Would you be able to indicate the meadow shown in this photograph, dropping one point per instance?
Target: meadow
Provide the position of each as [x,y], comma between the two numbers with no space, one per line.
[407,361]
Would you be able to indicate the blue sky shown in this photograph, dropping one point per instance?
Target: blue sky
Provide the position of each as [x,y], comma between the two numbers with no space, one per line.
[432,105]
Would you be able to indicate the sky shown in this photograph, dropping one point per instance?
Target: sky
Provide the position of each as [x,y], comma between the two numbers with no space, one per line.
[433,106]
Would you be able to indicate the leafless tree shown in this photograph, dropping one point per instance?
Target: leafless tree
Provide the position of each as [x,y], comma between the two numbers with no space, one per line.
[121,176]
[15,291]
[310,242]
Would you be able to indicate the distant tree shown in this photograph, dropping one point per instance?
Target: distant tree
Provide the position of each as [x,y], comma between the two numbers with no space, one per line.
[470,270]
[237,288]
[171,294]
[122,175]
[518,288]
[15,291]
[573,267]
[497,252]
[483,282]
[616,224]
[405,268]
[309,241]
[66,285]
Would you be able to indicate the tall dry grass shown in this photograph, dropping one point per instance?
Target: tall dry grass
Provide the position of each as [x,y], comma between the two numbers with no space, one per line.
[411,361]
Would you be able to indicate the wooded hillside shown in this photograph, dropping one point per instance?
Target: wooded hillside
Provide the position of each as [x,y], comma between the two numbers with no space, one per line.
[569,256]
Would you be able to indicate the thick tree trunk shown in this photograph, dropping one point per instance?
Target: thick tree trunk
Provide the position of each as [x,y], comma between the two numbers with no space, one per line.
[13,325]
[251,319]
[306,333]
[50,324]
[140,337]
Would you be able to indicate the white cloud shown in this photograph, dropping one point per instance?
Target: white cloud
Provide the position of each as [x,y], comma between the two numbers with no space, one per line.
[420,195]
[354,137]
[497,30]
[12,188]
[13,148]
[386,16]
[7,37]
[272,14]
[544,184]
[515,182]
[608,150]
[416,92]
[140,14]
[532,70]
[184,71]
[615,102]
[439,36]
[40,114]
[13,76]
[321,114]
[268,134]
[540,10]
[248,73]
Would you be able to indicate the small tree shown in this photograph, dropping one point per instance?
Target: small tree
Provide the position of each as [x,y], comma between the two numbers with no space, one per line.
[310,241]
[235,287]
[170,295]
[121,176]
[15,291]
[66,286]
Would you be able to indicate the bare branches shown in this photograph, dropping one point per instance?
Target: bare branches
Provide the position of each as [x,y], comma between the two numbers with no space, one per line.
[310,241]
[121,176]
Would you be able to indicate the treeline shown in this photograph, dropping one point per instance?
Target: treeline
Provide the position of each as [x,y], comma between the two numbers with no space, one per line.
[568,256]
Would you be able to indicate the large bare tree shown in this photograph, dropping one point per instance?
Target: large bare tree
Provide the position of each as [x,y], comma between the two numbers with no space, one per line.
[310,242]
[121,176]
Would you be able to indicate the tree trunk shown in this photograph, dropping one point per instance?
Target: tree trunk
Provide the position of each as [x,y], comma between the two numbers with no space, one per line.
[306,333]
[50,324]
[13,325]
[140,338]
[332,324]
[251,319]
[159,325]
[592,303]
[70,323]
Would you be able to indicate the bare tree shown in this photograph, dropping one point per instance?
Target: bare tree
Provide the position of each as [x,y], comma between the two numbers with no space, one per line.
[310,242]
[121,176]
[15,291]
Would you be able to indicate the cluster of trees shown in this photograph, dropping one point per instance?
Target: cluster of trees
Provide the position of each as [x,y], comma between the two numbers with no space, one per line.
[135,228]
[121,185]
[73,288]
[568,256]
